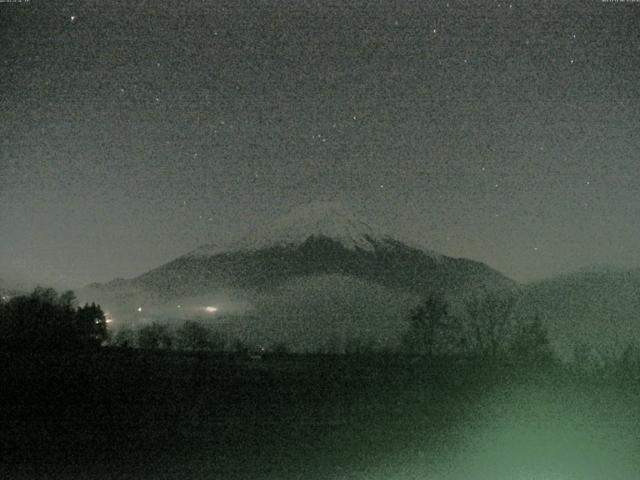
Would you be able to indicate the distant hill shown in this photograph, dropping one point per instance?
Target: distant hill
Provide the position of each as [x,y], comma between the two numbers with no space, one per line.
[597,307]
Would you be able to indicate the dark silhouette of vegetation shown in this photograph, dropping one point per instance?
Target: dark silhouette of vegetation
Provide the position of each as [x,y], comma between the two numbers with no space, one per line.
[240,347]
[432,329]
[485,330]
[155,336]
[488,325]
[530,346]
[121,409]
[194,336]
[45,320]
[124,338]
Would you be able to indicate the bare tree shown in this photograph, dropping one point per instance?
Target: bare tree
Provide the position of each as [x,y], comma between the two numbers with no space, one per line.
[488,325]
[432,329]
[530,345]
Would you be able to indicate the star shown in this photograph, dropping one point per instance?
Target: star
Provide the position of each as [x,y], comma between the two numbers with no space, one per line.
[73,18]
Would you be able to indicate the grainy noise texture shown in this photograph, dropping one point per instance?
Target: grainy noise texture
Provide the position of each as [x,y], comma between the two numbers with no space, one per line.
[135,131]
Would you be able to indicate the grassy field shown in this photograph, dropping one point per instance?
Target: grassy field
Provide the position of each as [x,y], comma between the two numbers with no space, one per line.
[168,415]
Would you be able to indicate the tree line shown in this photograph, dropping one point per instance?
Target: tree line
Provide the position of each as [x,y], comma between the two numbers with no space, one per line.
[190,336]
[46,320]
[484,328]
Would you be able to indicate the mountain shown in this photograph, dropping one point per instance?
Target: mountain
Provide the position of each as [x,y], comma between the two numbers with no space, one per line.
[596,307]
[317,266]
[329,220]
[315,239]
[320,275]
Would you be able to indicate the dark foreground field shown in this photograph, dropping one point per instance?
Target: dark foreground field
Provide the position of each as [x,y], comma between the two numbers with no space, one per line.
[130,414]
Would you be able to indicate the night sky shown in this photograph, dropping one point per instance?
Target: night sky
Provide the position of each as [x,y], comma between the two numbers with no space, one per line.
[135,131]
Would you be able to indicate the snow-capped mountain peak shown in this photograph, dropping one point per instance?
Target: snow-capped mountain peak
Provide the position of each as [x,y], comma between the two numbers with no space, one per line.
[317,219]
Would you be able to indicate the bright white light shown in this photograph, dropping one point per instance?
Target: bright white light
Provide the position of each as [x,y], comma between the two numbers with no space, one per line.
[211,309]
[139,309]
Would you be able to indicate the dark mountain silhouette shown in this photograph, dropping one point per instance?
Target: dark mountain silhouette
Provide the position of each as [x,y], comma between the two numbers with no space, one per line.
[301,268]
[329,241]
[392,264]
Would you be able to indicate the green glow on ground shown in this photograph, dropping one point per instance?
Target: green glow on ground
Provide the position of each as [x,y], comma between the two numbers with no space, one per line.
[539,432]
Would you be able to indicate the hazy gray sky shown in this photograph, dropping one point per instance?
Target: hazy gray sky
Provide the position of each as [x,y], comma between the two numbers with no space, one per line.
[134,131]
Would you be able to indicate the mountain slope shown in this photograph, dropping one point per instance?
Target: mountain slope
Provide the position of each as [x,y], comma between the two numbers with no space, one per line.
[391,263]
[319,238]
[318,271]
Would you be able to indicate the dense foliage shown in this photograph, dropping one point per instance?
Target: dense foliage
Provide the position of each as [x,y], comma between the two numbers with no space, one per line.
[484,329]
[46,320]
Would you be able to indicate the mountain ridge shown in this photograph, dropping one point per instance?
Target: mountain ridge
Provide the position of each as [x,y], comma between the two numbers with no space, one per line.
[330,220]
